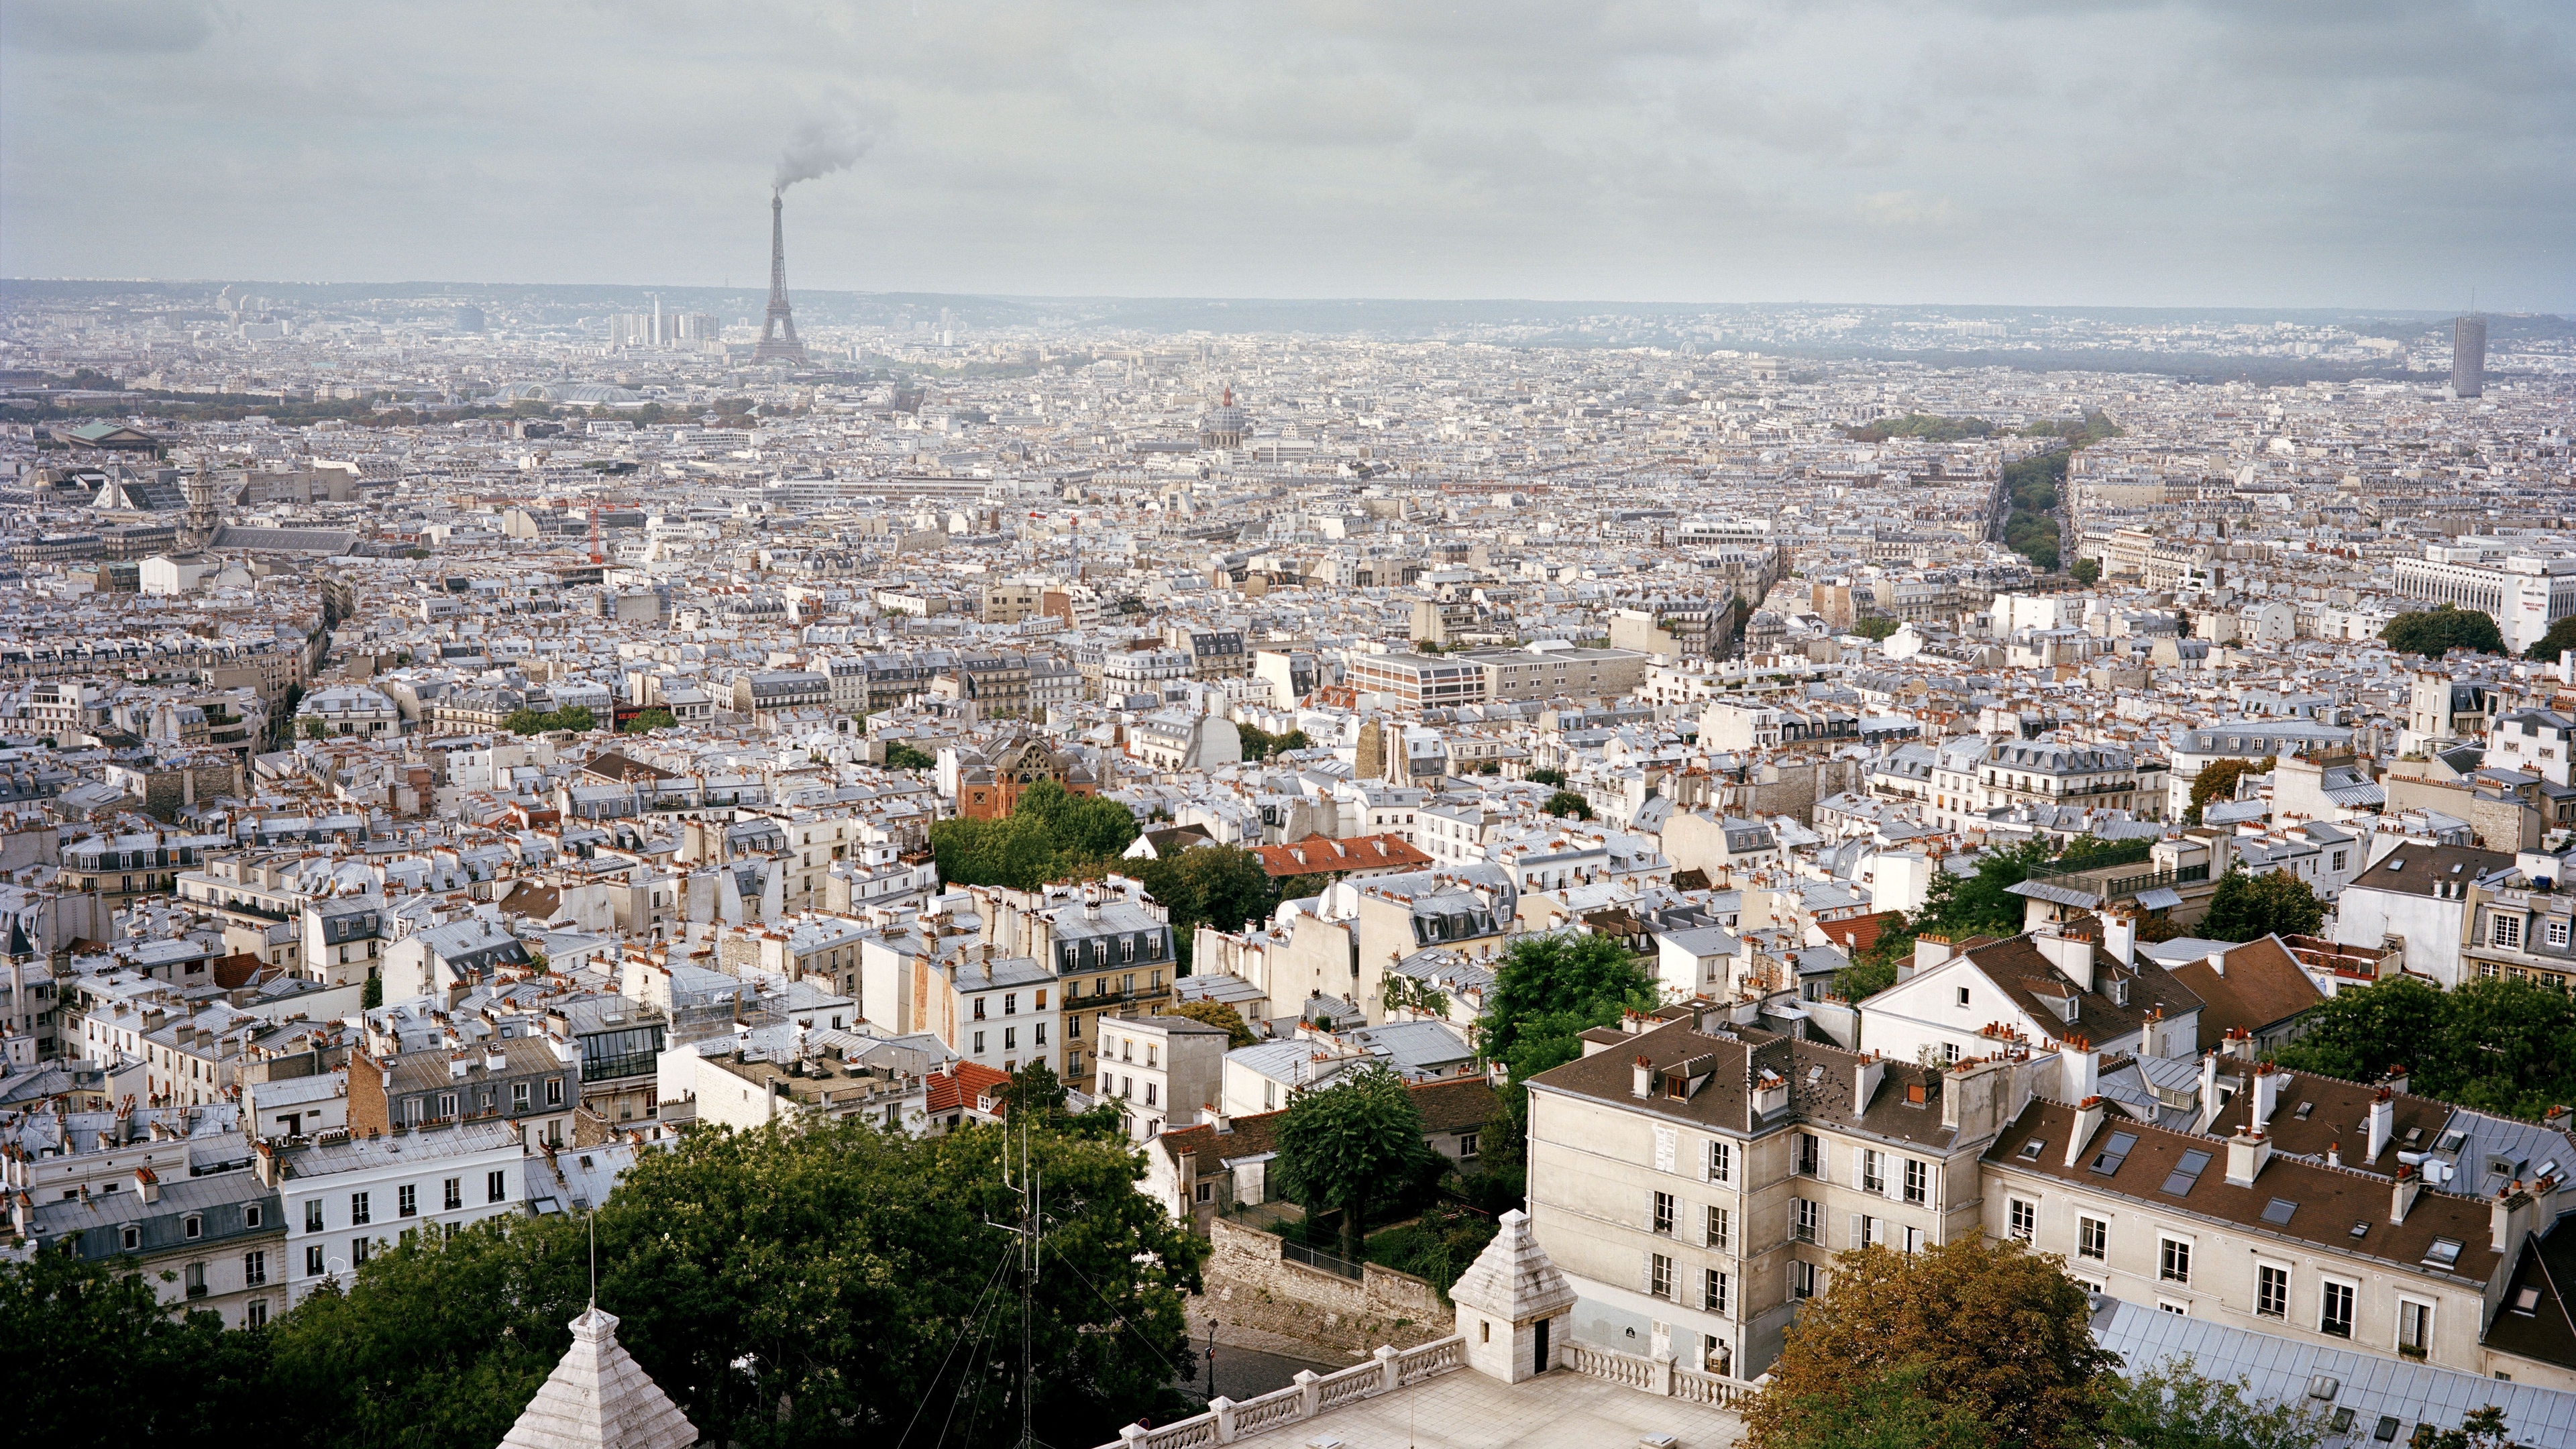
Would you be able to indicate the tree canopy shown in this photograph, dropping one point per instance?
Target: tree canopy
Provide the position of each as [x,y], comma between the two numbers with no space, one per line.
[576,718]
[784,1287]
[901,756]
[1565,804]
[2086,571]
[2217,780]
[2249,907]
[645,721]
[1214,885]
[2435,632]
[2177,1407]
[1238,1032]
[1874,626]
[1261,744]
[1349,1145]
[1049,835]
[2560,638]
[1980,904]
[1993,1329]
[2500,1045]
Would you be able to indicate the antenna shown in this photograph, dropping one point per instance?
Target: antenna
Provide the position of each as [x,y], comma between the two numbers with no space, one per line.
[594,1260]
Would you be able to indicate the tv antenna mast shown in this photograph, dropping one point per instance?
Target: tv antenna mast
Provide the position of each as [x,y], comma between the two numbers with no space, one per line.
[1030,1188]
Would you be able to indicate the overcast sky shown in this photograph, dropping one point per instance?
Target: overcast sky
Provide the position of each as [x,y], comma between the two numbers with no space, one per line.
[2073,152]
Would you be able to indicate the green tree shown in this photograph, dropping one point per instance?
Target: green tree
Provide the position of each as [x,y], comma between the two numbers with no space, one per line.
[1083,827]
[1997,1331]
[1350,1144]
[645,721]
[313,729]
[2435,632]
[1213,885]
[785,1287]
[2478,1429]
[94,1358]
[1238,1032]
[1568,805]
[1545,982]
[1545,776]
[372,995]
[2248,907]
[2177,1407]
[2087,571]
[1412,993]
[1981,904]
[905,757]
[2560,638]
[1874,626]
[2218,779]
[1885,1409]
[1017,851]
[2500,1046]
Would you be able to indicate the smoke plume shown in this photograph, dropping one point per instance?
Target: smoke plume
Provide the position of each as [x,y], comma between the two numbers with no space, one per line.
[820,148]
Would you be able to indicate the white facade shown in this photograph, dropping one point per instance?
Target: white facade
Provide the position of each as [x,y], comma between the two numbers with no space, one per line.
[2523,593]
[344,1199]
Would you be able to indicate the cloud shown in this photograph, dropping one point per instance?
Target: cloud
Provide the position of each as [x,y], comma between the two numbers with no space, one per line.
[77,27]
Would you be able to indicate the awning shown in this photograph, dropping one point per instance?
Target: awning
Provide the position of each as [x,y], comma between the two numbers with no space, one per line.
[2162,898]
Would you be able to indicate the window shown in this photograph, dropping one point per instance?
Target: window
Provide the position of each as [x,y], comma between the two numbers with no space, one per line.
[2414,1327]
[1152,1055]
[1206,1192]
[1468,1144]
[554,1091]
[979,1008]
[313,1261]
[1963,996]
[2114,1152]
[358,1251]
[2279,1211]
[1712,1291]
[495,1185]
[1811,1156]
[2022,1218]
[2271,1291]
[518,1096]
[1720,1228]
[1809,1213]
[447,1104]
[358,1210]
[1150,1090]
[255,1313]
[2558,933]
[192,1226]
[313,1215]
[254,1269]
[2508,931]
[1802,1280]
[1918,1180]
[455,1193]
[2335,1311]
[252,1216]
[2092,1238]
[1010,1003]
[1659,1275]
[1040,1035]
[1010,1038]
[2173,1260]
[1721,1162]
[129,1237]
[979,1042]
[1873,1171]
[406,1201]
[1664,1214]
[2186,1172]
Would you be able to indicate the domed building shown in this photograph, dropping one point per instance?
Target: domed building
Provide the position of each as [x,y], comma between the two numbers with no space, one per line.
[1224,425]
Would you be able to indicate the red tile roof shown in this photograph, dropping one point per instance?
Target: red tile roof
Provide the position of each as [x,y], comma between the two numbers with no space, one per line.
[1860,933]
[963,1084]
[1323,855]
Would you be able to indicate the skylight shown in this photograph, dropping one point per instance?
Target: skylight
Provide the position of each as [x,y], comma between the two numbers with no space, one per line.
[2527,1302]
[2186,1172]
[2278,1211]
[2443,1253]
[2114,1152]
[2361,1228]
[2304,1109]
[2030,1150]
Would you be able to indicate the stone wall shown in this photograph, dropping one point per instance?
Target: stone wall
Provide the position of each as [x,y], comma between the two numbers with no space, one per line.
[1249,1284]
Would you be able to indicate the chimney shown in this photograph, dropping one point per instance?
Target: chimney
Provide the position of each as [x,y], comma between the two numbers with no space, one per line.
[2070,955]
[1931,950]
[2509,1220]
[2382,1122]
[147,1183]
[2218,963]
[2088,1120]
[2238,1043]
[2080,1068]
[2120,937]
[456,1066]
[1865,1080]
[1641,1078]
[2402,1198]
[2247,1152]
[2334,1154]
[2267,1095]
[2396,1079]
[494,1059]
[2208,1090]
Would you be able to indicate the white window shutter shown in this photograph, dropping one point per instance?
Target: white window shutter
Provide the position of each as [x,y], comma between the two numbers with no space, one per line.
[1860,1230]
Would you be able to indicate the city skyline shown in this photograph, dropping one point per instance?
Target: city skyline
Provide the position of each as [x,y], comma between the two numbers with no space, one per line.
[2113,155]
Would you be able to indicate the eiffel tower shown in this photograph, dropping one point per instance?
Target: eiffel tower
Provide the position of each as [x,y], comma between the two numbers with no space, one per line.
[778,332]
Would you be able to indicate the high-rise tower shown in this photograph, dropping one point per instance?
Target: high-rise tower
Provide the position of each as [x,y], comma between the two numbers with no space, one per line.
[778,332]
[2468,355]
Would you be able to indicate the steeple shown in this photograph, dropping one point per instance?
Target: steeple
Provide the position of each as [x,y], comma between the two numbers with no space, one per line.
[598,1397]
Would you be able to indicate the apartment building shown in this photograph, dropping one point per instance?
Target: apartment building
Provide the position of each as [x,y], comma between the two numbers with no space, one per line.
[211,1244]
[1694,1178]
[343,1199]
[530,1084]
[1159,1069]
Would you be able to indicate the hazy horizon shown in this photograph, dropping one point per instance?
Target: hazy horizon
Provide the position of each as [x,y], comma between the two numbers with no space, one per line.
[2107,154]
